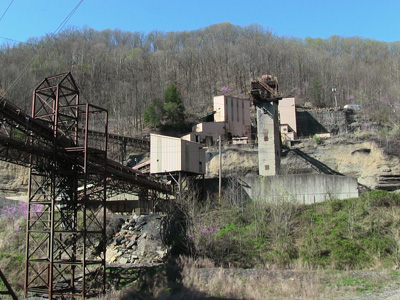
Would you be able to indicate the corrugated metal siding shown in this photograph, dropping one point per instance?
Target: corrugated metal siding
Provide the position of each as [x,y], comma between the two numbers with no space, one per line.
[169,154]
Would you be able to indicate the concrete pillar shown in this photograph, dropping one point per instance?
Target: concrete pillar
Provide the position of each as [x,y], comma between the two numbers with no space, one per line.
[269,142]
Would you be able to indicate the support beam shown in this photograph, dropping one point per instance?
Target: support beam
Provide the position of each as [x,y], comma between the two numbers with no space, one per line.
[66,219]
[9,290]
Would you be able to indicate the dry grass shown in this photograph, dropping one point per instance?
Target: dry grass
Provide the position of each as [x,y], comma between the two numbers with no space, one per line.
[111,294]
[267,284]
[253,284]
[202,280]
[368,163]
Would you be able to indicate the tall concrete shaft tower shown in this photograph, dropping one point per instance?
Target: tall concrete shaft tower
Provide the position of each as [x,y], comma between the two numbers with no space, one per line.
[265,95]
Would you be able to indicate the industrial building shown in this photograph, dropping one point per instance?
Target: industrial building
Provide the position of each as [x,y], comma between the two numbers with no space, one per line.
[170,154]
[229,119]
[287,118]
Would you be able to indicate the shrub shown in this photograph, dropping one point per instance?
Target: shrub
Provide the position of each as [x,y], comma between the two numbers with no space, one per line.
[317,139]
[379,198]
[340,234]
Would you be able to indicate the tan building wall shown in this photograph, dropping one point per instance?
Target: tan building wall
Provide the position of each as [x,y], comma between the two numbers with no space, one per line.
[170,154]
[210,128]
[206,129]
[286,133]
[191,137]
[219,108]
[287,113]
[235,112]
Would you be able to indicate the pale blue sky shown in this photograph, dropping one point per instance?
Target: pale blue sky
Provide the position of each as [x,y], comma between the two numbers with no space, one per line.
[378,19]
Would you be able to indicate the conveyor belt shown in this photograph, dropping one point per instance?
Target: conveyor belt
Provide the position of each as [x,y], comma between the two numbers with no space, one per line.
[43,146]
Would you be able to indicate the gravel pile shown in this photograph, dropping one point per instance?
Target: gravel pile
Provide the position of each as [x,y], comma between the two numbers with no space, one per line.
[139,242]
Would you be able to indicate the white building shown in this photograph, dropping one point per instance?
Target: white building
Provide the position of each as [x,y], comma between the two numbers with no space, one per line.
[169,154]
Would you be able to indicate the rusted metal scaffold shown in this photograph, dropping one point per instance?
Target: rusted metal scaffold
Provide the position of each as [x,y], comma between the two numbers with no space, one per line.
[66,215]
[71,182]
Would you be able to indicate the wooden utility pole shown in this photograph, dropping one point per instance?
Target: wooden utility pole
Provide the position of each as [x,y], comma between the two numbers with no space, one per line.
[220,170]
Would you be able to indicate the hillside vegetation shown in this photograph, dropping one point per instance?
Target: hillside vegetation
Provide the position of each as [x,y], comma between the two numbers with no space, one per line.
[359,233]
[128,72]
[333,250]
[125,71]
[354,234]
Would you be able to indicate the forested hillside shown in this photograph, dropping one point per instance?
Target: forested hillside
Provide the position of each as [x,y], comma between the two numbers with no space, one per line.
[125,71]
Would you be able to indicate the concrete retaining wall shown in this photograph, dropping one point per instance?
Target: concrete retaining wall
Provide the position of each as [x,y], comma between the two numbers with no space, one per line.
[304,188]
[310,122]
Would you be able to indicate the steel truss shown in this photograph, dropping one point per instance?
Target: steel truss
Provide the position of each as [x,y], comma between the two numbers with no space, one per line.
[137,201]
[66,219]
[186,183]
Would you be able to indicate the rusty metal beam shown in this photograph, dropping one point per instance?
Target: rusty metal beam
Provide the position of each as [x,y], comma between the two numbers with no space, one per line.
[9,290]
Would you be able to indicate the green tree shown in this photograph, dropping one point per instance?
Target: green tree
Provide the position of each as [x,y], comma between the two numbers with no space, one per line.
[174,111]
[153,114]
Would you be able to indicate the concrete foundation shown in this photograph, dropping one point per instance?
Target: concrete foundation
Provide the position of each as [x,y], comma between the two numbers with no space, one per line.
[303,188]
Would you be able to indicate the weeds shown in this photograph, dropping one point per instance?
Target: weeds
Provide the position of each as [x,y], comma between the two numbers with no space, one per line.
[12,244]
[316,240]
[200,279]
[264,284]
[360,233]
[317,139]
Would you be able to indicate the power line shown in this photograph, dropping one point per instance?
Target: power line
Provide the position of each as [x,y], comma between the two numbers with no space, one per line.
[67,18]
[1,18]
[16,41]
[8,39]
[41,48]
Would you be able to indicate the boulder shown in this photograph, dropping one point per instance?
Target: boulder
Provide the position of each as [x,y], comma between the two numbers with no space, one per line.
[139,242]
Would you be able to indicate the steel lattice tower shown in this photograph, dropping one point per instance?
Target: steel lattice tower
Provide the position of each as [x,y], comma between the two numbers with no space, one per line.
[66,218]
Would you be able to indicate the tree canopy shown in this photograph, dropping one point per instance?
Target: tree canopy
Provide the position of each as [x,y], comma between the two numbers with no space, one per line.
[169,114]
[153,114]
[174,111]
[122,70]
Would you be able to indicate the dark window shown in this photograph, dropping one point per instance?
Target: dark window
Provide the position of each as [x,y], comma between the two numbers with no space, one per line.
[232,109]
[237,109]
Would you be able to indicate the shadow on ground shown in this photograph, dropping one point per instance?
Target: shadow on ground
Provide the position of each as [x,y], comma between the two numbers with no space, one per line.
[316,164]
[161,282]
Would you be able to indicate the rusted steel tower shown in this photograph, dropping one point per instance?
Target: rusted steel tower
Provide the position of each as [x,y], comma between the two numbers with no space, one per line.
[66,219]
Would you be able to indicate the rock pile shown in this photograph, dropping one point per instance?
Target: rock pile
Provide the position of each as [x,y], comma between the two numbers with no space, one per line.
[139,242]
